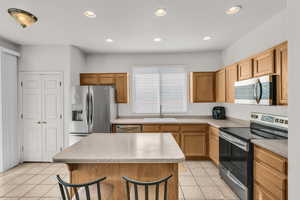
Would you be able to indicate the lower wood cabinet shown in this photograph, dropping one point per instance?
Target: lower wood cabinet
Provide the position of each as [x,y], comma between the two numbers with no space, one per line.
[192,138]
[262,194]
[194,145]
[214,144]
[270,175]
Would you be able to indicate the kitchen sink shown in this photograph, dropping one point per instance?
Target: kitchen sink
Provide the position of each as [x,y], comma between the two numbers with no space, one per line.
[160,120]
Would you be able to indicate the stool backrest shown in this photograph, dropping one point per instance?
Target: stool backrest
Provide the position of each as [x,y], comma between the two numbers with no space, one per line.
[136,184]
[66,188]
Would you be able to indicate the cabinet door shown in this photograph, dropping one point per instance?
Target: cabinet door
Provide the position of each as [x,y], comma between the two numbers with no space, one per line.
[231,78]
[282,79]
[261,194]
[214,144]
[202,87]
[221,86]
[194,145]
[121,82]
[245,69]
[264,63]
[89,79]
[106,79]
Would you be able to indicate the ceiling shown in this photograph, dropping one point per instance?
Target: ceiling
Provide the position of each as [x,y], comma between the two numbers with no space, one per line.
[133,25]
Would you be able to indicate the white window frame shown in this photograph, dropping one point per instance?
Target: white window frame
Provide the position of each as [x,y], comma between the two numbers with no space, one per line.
[160,69]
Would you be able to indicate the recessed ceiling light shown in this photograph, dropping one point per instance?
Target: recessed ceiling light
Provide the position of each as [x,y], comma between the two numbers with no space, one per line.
[160,12]
[109,40]
[207,38]
[157,39]
[89,14]
[233,10]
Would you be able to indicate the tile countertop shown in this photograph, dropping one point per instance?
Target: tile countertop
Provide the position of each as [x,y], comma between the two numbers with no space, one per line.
[230,122]
[279,147]
[123,148]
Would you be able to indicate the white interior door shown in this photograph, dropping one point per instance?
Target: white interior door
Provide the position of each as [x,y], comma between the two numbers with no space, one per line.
[41,108]
[52,115]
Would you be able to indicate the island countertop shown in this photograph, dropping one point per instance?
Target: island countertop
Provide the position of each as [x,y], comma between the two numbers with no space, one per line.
[123,148]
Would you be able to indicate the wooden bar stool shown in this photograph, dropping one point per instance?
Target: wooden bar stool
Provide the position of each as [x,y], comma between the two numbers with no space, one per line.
[86,191]
[150,189]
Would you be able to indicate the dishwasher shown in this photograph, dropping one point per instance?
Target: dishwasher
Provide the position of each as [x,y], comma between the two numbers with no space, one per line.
[129,128]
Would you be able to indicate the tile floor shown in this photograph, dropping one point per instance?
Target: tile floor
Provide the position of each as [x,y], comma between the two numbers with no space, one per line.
[32,181]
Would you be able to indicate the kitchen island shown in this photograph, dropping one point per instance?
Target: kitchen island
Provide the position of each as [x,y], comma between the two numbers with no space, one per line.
[144,157]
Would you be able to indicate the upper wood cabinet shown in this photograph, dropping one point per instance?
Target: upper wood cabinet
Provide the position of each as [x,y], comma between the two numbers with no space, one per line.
[121,83]
[231,78]
[202,87]
[119,80]
[221,86]
[264,63]
[245,69]
[282,68]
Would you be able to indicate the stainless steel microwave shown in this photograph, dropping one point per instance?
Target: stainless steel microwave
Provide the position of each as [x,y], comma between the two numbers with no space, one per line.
[260,90]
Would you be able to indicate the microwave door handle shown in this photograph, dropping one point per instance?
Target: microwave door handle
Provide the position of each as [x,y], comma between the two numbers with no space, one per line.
[255,91]
[260,91]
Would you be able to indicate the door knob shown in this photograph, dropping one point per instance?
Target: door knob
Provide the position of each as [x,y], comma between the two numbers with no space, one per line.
[39,122]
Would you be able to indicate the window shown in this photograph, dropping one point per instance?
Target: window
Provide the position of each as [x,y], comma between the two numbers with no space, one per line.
[162,89]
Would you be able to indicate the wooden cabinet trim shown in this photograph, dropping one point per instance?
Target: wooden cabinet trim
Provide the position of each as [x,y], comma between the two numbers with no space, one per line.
[151,128]
[221,86]
[194,128]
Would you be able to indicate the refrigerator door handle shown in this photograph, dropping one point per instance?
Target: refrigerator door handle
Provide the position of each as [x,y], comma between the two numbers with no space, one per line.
[92,109]
[87,109]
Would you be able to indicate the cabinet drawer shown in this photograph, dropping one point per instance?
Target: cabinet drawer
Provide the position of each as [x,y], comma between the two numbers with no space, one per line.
[194,128]
[151,128]
[266,176]
[170,128]
[274,161]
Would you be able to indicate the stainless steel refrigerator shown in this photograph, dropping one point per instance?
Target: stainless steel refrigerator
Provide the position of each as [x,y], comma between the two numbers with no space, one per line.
[93,107]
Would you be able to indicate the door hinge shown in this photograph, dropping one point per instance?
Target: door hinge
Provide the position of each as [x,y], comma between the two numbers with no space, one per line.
[22,116]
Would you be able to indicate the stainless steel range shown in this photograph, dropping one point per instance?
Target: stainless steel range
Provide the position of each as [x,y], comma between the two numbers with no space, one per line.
[236,150]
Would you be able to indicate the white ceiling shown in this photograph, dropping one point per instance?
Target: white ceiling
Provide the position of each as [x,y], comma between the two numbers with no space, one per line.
[132,24]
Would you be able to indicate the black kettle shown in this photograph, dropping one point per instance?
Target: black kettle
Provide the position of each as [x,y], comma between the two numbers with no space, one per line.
[218,112]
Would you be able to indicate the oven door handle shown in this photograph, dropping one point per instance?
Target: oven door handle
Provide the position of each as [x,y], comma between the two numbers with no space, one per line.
[235,180]
[234,142]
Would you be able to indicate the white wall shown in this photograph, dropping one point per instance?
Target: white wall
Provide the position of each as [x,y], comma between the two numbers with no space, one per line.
[294,98]
[50,58]
[268,34]
[8,45]
[197,61]
[77,63]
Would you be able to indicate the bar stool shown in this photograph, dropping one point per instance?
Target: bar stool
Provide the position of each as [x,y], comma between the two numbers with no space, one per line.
[86,191]
[151,189]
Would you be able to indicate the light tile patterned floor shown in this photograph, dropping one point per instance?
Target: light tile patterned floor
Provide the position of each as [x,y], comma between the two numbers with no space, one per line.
[32,181]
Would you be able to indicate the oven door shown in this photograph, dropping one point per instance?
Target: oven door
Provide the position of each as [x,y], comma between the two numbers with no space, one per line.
[234,157]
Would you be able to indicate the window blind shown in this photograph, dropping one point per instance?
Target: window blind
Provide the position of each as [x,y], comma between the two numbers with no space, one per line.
[162,89]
